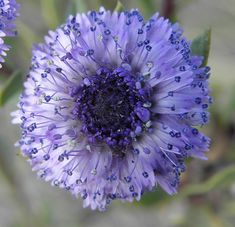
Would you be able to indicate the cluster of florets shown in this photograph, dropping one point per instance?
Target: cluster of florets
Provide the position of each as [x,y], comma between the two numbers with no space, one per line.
[110,106]
[8,14]
[113,107]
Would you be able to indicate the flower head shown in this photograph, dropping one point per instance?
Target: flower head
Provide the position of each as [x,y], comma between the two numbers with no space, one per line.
[110,106]
[8,14]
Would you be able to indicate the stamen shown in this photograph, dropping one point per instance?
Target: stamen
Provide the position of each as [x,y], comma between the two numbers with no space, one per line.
[110,106]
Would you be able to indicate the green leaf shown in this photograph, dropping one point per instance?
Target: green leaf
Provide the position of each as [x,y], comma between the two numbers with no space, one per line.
[74,7]
[153,198]
[220,179]
[2,80]
[119,7]
[27,37]
[49,12]
[227,113]
[201,45]
[11,87]
[148,6]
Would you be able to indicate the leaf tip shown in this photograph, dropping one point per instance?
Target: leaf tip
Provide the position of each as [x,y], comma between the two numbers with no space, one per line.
[119,7]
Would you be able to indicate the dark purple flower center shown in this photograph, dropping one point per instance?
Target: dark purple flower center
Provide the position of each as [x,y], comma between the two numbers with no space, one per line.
[113,107]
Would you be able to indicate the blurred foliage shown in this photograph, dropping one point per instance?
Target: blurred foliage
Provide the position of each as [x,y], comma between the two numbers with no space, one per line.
[201,45]
[10,87]
[75,6]
[119,7]
[222,178]
[49,13]
[207,189]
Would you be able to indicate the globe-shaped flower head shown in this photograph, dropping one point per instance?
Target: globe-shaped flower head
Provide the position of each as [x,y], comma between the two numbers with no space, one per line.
[8,14]
[110,104]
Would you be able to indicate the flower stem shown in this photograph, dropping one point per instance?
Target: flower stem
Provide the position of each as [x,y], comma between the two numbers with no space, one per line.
[168,9]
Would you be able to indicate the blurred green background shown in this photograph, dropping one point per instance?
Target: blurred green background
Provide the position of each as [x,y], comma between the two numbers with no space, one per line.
[207,194]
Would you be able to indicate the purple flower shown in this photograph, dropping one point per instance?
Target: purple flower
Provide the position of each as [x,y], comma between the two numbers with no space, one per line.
[110,106]
[8,14]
